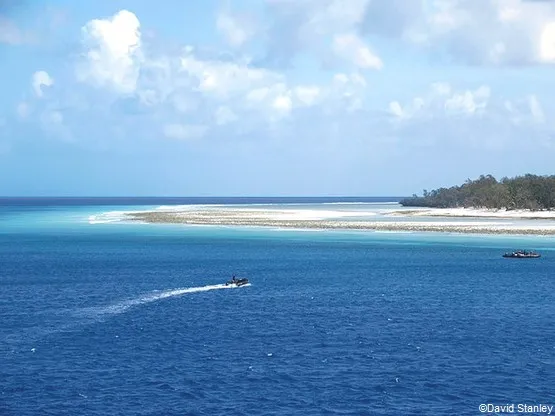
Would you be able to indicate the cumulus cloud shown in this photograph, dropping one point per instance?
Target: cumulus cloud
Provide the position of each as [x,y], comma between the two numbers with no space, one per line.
[348,91]
[476,32]
[536,109]
[192,82]
[307,95]
[443,100]
[194,93]
[498,32]
[474,117]
[306,26]
[40,79]
[351,48]
[283,103]
[396,109]
[547,43]
[526,111]
[112,52]
[222,78]
[468,102]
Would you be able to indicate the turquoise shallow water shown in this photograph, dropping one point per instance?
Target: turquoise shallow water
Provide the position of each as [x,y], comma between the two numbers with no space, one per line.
[119,319]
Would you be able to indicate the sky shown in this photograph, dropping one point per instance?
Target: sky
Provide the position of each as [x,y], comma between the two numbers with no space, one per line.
[272,97]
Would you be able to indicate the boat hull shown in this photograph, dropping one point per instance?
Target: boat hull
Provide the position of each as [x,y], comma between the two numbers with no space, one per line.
[237,282]
[521,256]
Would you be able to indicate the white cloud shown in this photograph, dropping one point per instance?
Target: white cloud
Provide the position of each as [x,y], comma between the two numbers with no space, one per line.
[396,109]
[283,103]
[112,52]
[236,30]
[547,43]
[447,117]
[527,111]
[258,94]
[192,93]
[320,18]
[351,48]
[193,81]
[441,88]
[40,79]
[332,16]
[501,32]
[474,117]
[307,95]
[477,32]
[185,131]
[468,102]
[536,109]
[354,80]
[223,79]
[347,92]
[442,100]
[306,26]
[243,87]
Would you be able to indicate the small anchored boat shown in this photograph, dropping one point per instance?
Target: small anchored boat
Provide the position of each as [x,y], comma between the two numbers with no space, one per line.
[237,281]
[522,254]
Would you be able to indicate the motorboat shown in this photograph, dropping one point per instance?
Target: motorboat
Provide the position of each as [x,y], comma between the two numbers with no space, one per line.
[522,254]
[237,281]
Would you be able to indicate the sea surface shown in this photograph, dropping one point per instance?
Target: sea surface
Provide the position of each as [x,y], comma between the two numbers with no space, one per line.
[100,316]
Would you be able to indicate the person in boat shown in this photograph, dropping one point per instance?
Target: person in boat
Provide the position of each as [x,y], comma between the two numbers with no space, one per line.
[234,279]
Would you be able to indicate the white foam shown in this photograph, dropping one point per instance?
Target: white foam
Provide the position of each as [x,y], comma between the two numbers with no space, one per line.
[107,217]
[125,305]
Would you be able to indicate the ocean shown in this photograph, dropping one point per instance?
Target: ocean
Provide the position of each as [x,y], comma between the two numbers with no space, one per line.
[104,317]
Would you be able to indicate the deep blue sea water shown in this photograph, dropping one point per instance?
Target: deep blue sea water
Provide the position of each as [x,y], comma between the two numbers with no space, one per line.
[130,319]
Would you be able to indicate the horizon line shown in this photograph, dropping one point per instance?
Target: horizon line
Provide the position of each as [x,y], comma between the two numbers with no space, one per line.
[195,196]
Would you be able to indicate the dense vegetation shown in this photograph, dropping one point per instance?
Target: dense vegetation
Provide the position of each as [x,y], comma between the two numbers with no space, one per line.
[522,192]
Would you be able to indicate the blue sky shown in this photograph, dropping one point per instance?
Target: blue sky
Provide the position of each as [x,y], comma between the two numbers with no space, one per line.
[273,97]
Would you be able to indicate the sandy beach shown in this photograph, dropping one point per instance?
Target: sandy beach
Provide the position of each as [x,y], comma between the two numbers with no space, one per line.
[474,213]
[396,219]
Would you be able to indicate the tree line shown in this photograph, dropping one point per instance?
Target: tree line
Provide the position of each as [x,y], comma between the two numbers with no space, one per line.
[530,192]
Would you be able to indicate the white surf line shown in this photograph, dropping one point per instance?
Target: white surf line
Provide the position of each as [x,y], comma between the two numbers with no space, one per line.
[107,217]
[125,305]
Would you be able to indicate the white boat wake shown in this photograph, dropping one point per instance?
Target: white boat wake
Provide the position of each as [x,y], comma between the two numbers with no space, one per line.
[91,315]
[125,305]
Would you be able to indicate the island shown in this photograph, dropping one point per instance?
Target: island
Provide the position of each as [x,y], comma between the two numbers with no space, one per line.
[527,192]
[522,205]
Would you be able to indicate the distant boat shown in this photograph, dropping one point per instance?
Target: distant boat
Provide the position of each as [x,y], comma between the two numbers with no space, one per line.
[237,282]
[522,254]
